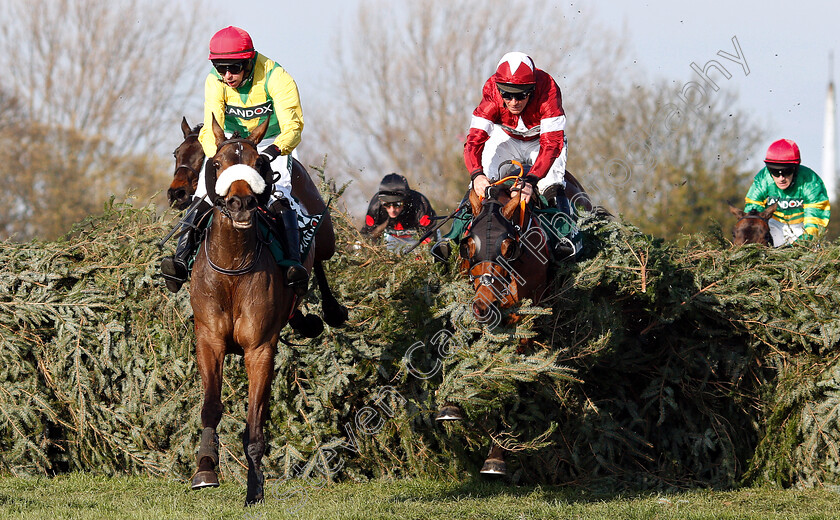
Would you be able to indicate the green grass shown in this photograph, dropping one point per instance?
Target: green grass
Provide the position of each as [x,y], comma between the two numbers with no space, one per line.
[83,496]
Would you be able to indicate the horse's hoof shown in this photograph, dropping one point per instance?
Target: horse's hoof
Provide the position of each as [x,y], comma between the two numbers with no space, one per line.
[494,467]
[203,479]
[336,316]
[449,412]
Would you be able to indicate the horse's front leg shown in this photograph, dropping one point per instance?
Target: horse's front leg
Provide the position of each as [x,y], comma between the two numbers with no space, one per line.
[259,363]
[210,356]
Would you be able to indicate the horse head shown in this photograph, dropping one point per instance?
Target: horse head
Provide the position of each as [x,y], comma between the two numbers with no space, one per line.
[492,255]
[232,175]
[189,157]
[752,227]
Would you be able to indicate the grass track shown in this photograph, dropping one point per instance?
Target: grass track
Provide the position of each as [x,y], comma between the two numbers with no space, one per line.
[84,496]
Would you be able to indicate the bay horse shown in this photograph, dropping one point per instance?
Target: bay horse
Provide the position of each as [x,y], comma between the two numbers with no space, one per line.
[189,158]
[506,257]
[240,303]
[752,227]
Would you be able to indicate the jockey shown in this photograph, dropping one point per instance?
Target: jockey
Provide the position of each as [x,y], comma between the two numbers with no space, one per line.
[520,117]
[398,208]
[241,91]
[803,208]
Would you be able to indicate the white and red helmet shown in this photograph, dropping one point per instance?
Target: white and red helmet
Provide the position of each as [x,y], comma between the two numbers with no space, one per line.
[516,73]
[231,43]
[783,151]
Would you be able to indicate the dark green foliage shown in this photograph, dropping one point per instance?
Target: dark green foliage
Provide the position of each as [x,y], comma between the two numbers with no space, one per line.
[652,365]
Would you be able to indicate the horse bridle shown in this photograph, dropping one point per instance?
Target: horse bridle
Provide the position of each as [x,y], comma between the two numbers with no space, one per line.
[488,279]
[194,171]
[225,213]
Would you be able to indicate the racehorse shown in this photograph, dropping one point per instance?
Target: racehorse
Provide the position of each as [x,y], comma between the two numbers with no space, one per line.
[752,227]
[189,157]
[240,302]
[505,254]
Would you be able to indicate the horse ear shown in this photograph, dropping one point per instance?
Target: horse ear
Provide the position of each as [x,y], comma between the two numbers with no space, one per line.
[513,203]
[185,127]
[768,211]
[218,132]
[257,135]
[737,212]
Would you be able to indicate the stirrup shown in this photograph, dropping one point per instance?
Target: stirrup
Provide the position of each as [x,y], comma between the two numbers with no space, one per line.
[297,278]
[441,251]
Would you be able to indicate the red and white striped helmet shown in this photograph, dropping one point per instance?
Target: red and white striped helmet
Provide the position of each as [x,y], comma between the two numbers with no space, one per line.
[515,72]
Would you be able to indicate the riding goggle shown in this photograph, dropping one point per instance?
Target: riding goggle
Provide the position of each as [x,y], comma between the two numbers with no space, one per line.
[393,204]
[519,96]
[234,68]
[782,172]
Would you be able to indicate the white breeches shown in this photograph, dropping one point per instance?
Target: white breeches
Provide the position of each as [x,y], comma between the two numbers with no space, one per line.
[784,234]
[501,147]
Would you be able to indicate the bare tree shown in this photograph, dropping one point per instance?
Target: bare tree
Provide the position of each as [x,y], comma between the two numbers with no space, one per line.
[666,168]
[409,75]
[99,87]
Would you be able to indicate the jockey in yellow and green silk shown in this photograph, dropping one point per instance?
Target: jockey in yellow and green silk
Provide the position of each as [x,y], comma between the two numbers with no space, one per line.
[243,89]
[803,209]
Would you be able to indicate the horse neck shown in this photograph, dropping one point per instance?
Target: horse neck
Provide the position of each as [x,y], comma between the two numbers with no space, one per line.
[227,246]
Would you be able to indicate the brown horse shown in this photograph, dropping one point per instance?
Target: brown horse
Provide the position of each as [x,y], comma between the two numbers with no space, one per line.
[189,157]
[505,254]
[752,227]
[240,303]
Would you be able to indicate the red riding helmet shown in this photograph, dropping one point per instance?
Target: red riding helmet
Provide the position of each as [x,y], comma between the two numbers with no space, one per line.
[515,73]
[783,151]
[231,43]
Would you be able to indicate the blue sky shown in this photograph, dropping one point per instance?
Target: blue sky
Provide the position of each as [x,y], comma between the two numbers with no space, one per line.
[785,46]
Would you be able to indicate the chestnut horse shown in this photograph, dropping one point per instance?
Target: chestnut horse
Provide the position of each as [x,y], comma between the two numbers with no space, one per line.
[189,157]
[505,254]
[752,227]
[240,303]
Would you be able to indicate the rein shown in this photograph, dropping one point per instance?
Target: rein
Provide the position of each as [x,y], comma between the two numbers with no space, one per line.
[233,272]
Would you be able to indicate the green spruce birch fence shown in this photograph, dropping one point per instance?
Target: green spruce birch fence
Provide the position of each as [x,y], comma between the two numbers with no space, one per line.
[653,365]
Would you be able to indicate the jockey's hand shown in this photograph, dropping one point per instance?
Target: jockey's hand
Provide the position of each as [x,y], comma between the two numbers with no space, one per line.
[270,153]
[527,190]
[480,185]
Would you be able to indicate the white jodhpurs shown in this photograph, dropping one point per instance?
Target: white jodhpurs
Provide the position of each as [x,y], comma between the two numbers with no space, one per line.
[501,147]
[784,234]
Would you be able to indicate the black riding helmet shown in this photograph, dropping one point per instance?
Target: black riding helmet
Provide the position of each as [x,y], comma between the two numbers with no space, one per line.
[393,188]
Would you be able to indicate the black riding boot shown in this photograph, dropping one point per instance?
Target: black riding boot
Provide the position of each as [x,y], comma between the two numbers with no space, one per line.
[289,236]
[175,268]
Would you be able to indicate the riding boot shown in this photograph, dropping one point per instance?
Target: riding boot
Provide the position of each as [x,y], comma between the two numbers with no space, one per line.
[441,250]
[175,268]
[289,236]
[566,246]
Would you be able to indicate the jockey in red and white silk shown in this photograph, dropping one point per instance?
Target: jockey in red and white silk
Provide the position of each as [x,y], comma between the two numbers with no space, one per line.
[535,136]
